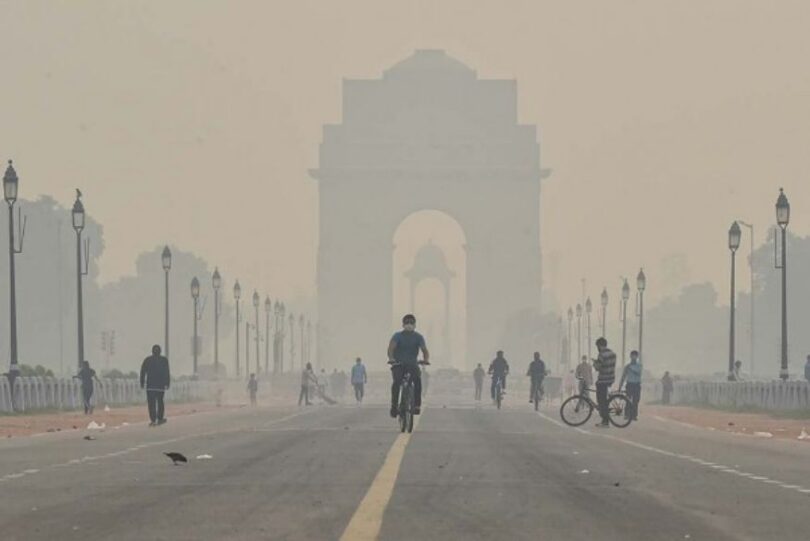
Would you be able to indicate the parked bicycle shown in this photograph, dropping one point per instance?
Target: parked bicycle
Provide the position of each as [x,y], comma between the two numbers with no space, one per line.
[576,410]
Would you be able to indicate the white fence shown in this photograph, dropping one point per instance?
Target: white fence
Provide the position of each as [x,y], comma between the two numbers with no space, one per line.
[770,395]
[36,393]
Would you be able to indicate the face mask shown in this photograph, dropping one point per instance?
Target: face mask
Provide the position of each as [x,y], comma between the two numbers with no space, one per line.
[410,326]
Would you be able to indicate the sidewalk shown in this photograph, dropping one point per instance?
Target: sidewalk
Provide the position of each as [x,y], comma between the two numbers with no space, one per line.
[750,424]
[36,423]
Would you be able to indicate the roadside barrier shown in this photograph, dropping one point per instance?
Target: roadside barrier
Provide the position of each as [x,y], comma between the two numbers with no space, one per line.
[767,395]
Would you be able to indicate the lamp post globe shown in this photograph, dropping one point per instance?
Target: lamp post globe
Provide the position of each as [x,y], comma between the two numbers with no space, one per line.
[734,236]
[626,291]
[782,209]
[237,291]
[10,184]
[77,215]
[166,258]
[195,288]
[604,297]
[216,280]
[641,280]
[255,299]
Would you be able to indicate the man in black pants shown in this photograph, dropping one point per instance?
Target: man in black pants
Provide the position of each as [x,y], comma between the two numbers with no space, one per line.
[605,366]
[155,378]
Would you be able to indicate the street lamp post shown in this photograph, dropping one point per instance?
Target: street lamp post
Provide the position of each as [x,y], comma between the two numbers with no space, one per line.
[216,282]
[301,331]
[309,343]
[579,331]
[195,294]
[604,301]
[588,310]
[78,216]
[625,298]
[237,294]
[568,352]
[166,259]
[10,191]
[733,243]
[292,343]
[268,307]
[641,284]
[782,219]
[282,335]
[256,326]
[751,272]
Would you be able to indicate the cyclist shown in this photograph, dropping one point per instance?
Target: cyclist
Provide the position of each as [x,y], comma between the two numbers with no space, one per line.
[605,366]
[499,368]
[537,371]
[403,350]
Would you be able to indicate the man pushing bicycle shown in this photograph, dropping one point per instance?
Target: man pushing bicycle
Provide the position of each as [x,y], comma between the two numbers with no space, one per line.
[403,351]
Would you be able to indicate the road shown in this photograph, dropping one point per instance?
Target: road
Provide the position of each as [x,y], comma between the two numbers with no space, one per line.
[345,472]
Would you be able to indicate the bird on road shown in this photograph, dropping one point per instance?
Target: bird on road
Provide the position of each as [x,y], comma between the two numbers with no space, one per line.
[176,458]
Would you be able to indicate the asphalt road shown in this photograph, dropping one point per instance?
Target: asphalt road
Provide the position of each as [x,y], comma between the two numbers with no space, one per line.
[345,472]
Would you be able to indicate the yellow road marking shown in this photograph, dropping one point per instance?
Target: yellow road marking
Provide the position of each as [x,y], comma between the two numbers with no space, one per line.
[367,519]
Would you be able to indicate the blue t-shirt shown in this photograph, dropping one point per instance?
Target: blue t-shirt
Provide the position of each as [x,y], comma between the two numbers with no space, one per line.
[358,373]
[407,345]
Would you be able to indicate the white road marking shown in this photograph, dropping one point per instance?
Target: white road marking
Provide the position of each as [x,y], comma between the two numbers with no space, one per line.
[689,458]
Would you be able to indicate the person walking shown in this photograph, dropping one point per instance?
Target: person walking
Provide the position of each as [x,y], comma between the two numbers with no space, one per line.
[667,388]
[359,379]
[156,379]
[584,375]
[537,373]
[253,388]
[307,378]
[86,376]
[605,365]
[632,375]
[478,377]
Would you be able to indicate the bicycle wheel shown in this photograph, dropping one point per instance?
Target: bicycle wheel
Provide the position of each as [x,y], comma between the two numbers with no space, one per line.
[498,395]
[404,407]
[536,398]
[576,410]
[617,408]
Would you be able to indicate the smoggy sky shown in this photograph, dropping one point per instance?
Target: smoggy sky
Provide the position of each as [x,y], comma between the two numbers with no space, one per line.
[194,122]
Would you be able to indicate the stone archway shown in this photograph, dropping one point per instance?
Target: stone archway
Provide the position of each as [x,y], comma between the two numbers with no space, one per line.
[429,135]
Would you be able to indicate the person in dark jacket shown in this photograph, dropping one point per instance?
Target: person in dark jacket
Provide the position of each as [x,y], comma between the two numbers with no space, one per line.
[155,378]
[86,376]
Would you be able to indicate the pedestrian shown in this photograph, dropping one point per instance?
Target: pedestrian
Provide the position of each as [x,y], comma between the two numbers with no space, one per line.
[584,375]
[478,377]
[253,388]
[632,375]
[605,365]
[155,378]
[738,371]
[666,388]
[307,379]
[359,379]
[86,376]
[537,373]
[807,369]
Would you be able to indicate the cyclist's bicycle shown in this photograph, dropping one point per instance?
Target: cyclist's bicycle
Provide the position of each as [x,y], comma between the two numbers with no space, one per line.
[576,410]
[406,400]
[498,390]
[539,392]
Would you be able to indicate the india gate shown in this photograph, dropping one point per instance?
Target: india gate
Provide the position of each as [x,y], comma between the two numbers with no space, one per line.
[428,135]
